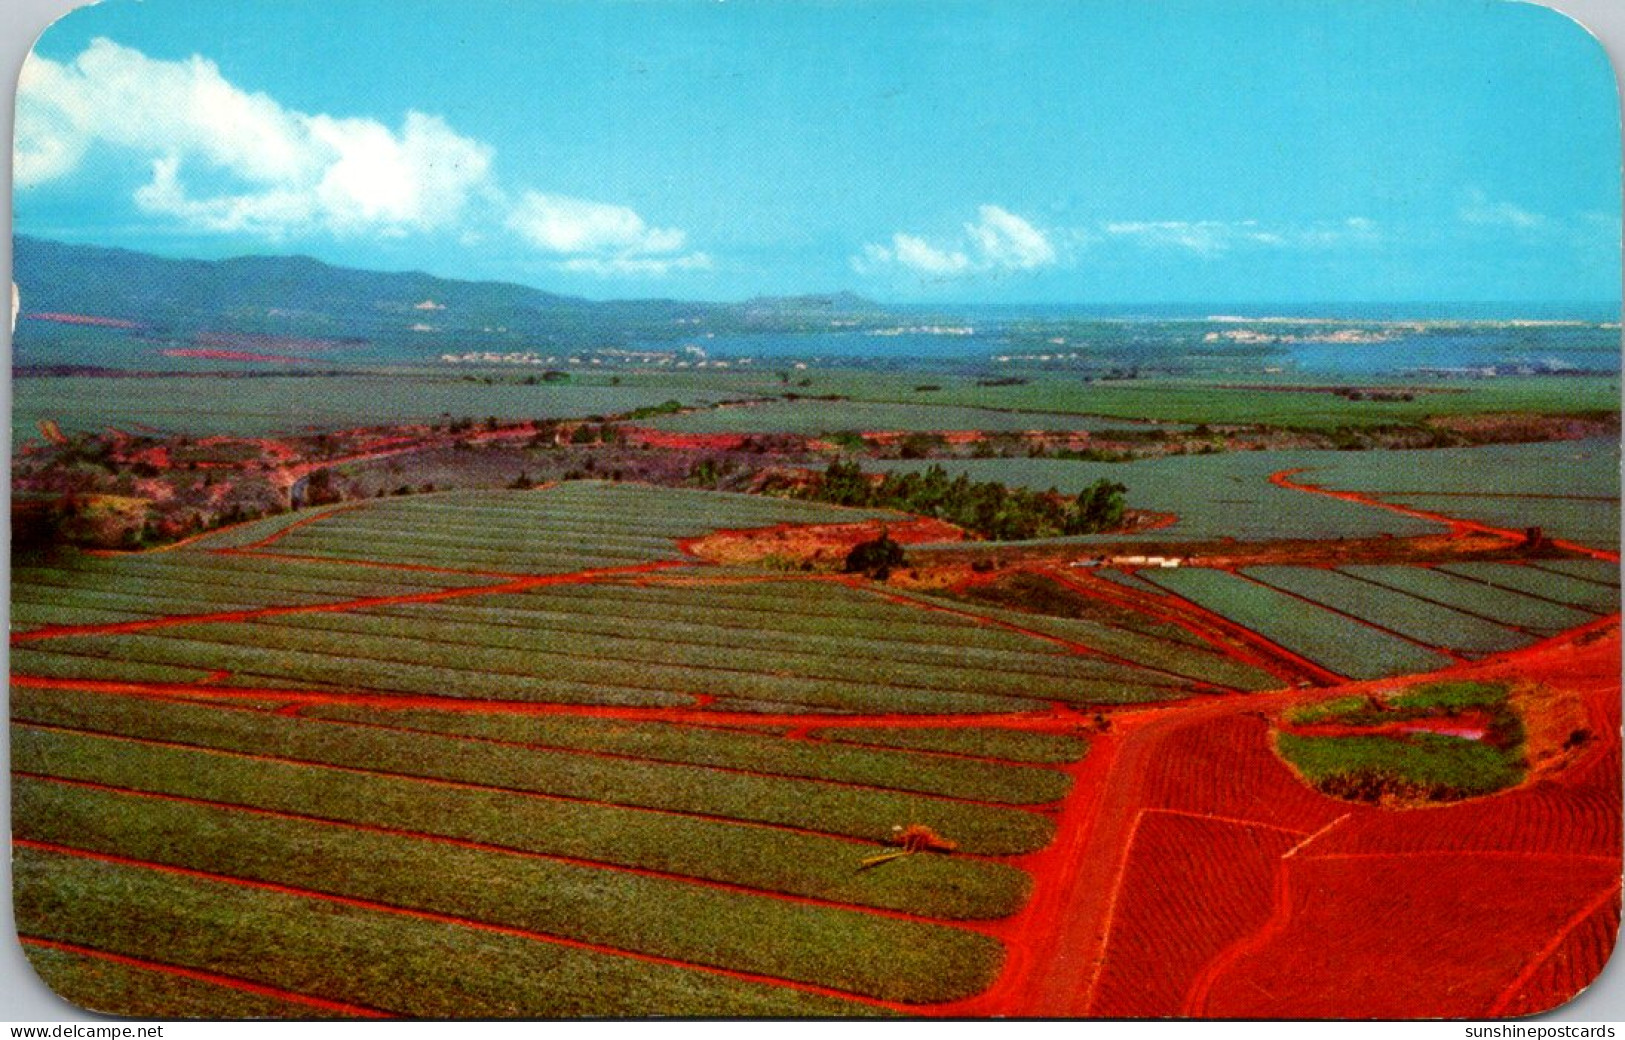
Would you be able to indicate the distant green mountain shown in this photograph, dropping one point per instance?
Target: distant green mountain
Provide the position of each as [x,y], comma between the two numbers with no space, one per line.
[92,305]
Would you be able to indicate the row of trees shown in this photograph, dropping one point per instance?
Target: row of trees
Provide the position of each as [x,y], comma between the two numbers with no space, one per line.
[987,508]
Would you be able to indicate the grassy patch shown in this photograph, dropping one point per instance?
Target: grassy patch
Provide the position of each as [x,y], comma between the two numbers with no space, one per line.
[1416,766]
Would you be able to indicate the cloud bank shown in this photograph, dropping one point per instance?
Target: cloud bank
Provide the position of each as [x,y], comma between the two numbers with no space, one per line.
[227,160]
[997,241]
[1216,238]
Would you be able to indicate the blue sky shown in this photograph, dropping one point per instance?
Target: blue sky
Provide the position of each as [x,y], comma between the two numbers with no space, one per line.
[1086,151]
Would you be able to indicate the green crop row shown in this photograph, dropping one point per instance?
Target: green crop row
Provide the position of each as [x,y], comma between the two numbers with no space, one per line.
[1010,745]
[790,802]
[26,615]
[849,950]
[346,668]
[373,549]
[319,648]
[663,742]
[769,860]
[249,569]
[522,537]
[1396,611]
[1588,467]
[434,969]
[726,632]
[263,588]
[544,651]
[1514,608]
[33,659]
[112,987]
[1560,588]
[1589,522]
[1178,658]
[1337,643]
[1600,571]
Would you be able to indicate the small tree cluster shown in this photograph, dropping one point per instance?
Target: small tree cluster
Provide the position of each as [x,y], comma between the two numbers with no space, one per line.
[987,508]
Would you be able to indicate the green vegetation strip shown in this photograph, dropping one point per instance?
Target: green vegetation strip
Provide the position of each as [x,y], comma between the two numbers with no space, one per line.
[1514,608]
[711,850]
[284,664]
[56,664]
[326,653]
[1413,766]
[1561,588]
[1396,611]
[725,631]
[848,950]
[983,781]
[1009,745]
[416,968]
[109,987]
[1438,767]
[26,615]
[1177,658]
[805,804]
[680,666]
[1330,640]
[1600,571]
[1040,594]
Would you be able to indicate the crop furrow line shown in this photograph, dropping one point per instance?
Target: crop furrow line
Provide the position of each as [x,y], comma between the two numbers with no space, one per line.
[462,922]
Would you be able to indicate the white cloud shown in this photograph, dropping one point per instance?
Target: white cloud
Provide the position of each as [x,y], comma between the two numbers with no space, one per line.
[601,239]
[1005,240]
[224,159]
[1478,208]
[917,254]
[607,267]
[998,241]
[290,172]
[1215,238]
[560,224]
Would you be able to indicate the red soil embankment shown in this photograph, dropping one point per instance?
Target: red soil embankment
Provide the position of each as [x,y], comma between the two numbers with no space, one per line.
[813,543]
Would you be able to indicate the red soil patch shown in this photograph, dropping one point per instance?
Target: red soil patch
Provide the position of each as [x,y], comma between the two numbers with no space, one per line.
[1568,964]
[813,543]
[1196,886]
[222,354]
[83,319]
[639,435]
[1440,936]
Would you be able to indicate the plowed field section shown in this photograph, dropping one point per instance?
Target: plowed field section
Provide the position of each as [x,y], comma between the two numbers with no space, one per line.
[1190,888]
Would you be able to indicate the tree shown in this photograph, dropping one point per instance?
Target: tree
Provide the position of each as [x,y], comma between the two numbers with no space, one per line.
[1099,508]
[875,558]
